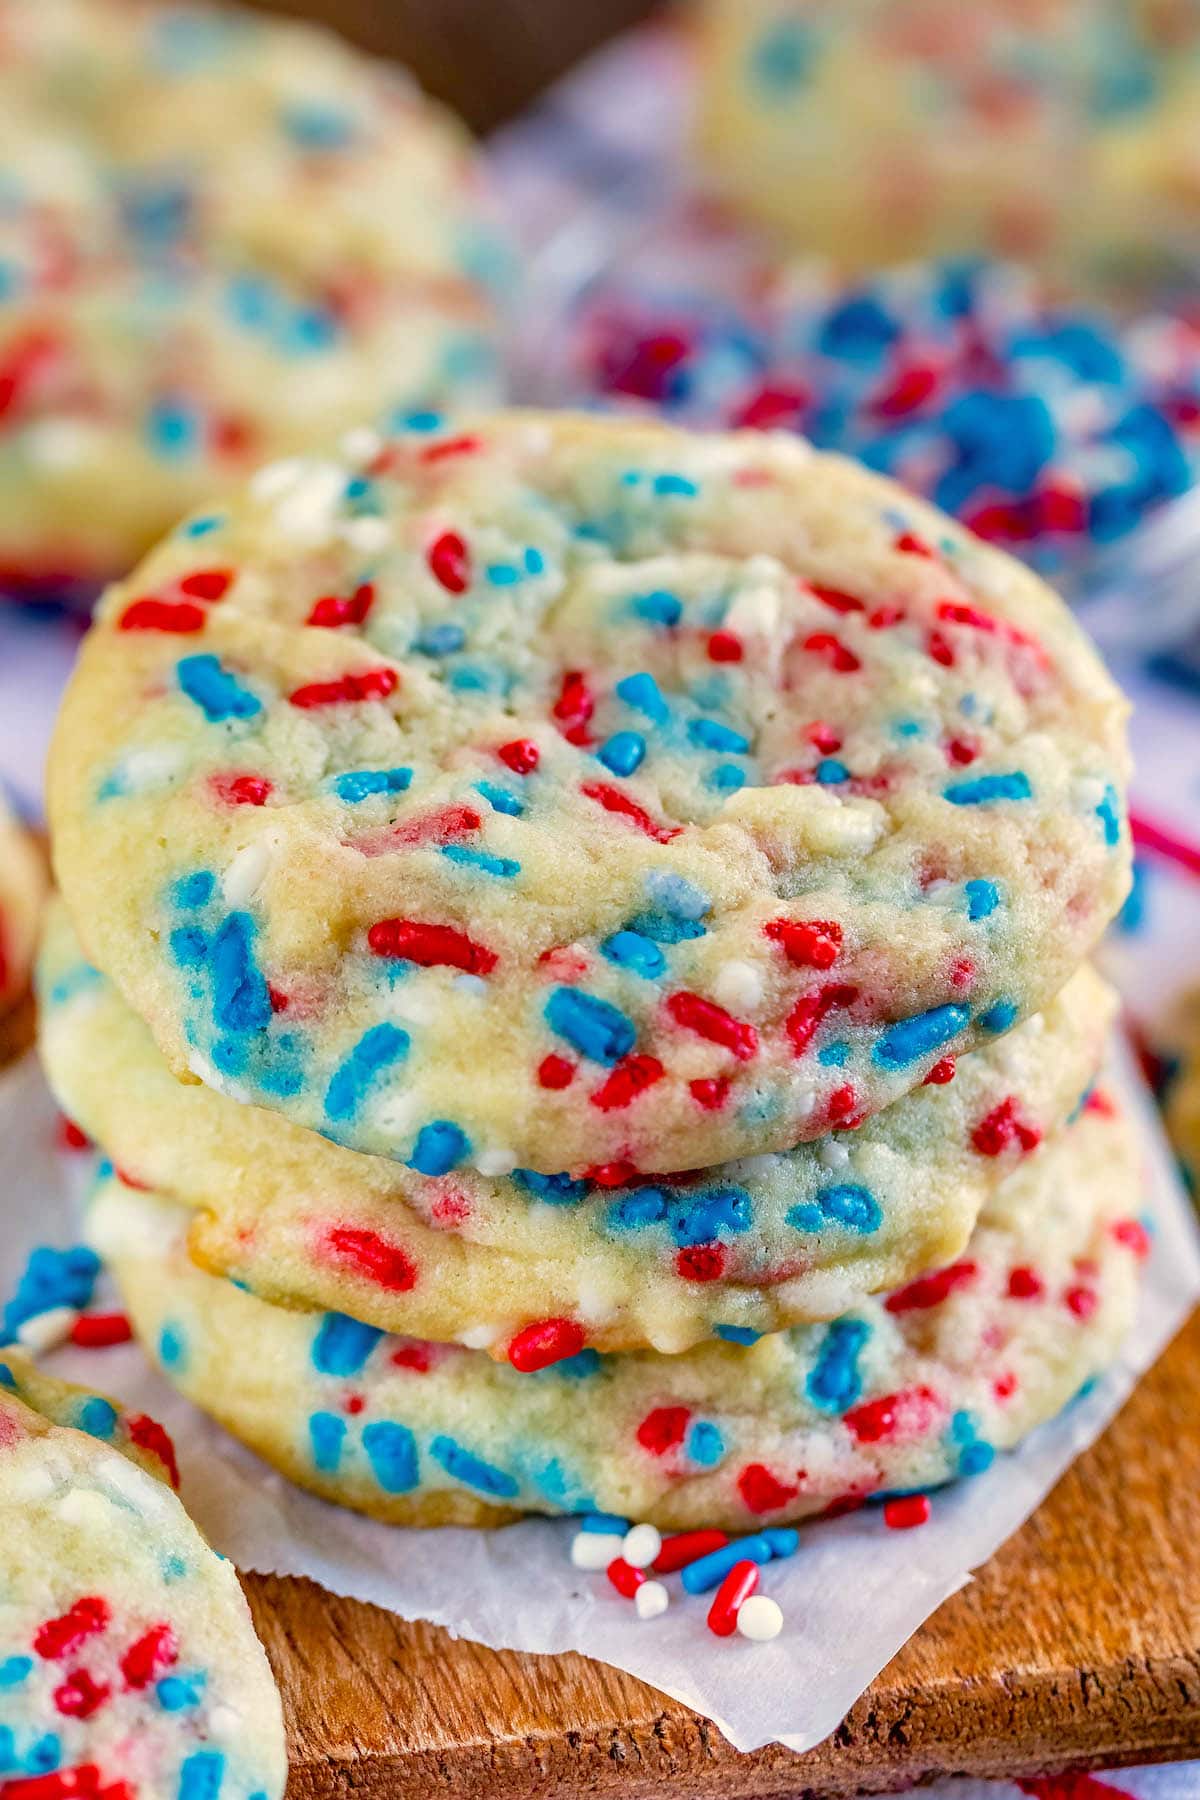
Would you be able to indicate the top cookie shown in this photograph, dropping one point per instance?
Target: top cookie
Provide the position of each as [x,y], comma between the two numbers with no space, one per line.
[221,239]
[560,792]
[128,1660]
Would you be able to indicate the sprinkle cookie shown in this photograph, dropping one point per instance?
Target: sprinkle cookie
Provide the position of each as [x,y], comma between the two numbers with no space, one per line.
[536,1268]
[563,793]
[215,233]
[22,893]
[128,1661]
[898,1393]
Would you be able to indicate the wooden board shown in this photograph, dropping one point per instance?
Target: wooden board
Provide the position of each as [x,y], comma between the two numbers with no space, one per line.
[1078,1646]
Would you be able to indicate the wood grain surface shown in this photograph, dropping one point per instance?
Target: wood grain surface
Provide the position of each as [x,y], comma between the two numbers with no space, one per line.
[1077,1646]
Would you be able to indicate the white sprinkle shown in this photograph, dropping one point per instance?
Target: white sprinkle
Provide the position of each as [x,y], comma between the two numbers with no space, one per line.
[759,1619]
[244,876]
[361,445]
[306,510]
[474,985]
[48,1330]
[651,1600]
[84,1506]
[641,1545]
[738,986]
[833,1154]
[143,770]
[496,1162]
[276,478]
[367,535]
[595,1549]
[479,1337]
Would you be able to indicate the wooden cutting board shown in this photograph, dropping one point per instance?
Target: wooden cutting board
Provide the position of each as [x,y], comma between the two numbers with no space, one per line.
[1077,1646]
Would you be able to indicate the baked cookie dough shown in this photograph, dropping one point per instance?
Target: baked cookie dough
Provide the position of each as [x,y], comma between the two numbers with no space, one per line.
[898,1393]
[1183,1095]
[222,239]
[128,1660]
[535,1268]
[22,895]
[565,793]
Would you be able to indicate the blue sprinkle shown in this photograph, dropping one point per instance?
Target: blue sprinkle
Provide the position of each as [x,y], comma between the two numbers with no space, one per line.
[604,1524]
[704,1219]
[983,789]
[241,998]
[834,1056]
[555,1190]
[630,950]
[189,946]
[908,728]
[737,1334]
[665,927]
[659,608]
[392,1453]
[44,1755]
[578,1367]
[500,799]
[983,897]
[503,574]
[51,1278]
[326,1434]
[381,1045]
[200,1777]
[910,1039]
[1109,814]
[459,1463]
[172,1346]
[834,1383]
[535,562]
[203,526]
[98,1418]
[634,1211]
[704,1444]
[623,753]
[218,695]
[342,1345]
[976,1457]
[675,894]
[782,58]
[503,866]
[194,890]
[175,1693]
[710,1571]
[440,1146]
[829,771]
[642,692]
[726,778]
[675,484]
[846,1203]
[783,1539]
[998,1017]
[316,125]
[173,429]
[361,784]
[7,1378]
[594,1027]
[14,1670]
[710,734]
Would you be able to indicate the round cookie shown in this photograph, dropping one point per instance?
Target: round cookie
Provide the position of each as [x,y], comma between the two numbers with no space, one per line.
[22,895]
[222,239]
[128,1660]
[897,1393]
[1183,1095]
[535,1268]
[638,798]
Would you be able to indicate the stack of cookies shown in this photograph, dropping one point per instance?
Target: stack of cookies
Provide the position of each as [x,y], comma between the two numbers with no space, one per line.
[583,985]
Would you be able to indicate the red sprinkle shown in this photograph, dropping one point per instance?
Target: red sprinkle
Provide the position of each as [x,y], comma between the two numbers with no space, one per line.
[149,1435]
[710,1091]
[450,562]
[336,609]
[207,584]
[241,790]
[941,1073]
[628,1078]
[724,647]
[79,1783]
[555,1072]
[910,542]
[962,751]
[1003,1128]
[614,801]
[877,1420]
[626,1579]
[178,616]
[931,1290]
[1025,1284]
[549,1341]
[145,1660]
[79,1696]
[711,1022]
[1133,1234]
[940,649]
[907,1510]
[663,1429]
[58,1637]
[687,1547]
[574,706]
[611,1174]
[521,755]
[809,943]
[737,1586]
[97,1331]
[839,657]
[836,598]
[811,1009]
[387,1265]
[432,946]
[464,445]
[823,737]
[1082,1301]
[71,1137]
[762,1491]
[372,684]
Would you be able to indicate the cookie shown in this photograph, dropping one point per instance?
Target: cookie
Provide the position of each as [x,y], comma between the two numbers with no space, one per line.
[222,239]
[128,1660]
[624,797]
[899,1392]
[22,894]
[534,1268]
[1183,1094]
[1059,133]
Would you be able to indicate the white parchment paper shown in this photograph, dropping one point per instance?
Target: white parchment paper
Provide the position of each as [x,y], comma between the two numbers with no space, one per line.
[851,1596]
